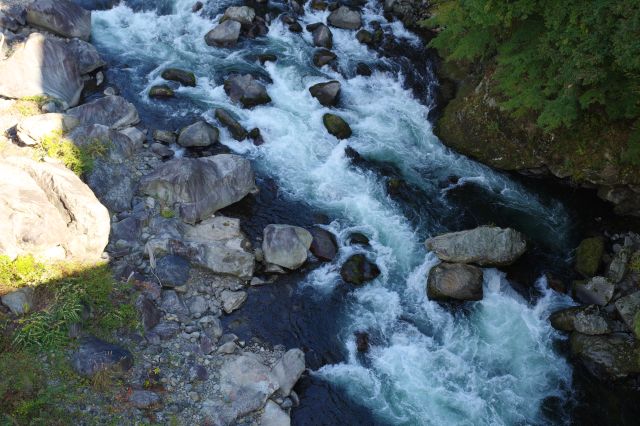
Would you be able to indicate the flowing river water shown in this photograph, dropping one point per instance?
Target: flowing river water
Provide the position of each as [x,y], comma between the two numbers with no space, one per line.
[493,362]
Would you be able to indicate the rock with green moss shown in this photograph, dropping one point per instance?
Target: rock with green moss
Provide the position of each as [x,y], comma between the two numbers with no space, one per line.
[161,91]
[597,290]
[589,255]
[336,126]
[186,78]
[359,270]
[583,319]
[611,357]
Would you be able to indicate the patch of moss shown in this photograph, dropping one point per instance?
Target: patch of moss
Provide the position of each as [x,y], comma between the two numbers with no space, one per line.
[167,213]
[634,262]
[79,159]
[22,271]
[588,256]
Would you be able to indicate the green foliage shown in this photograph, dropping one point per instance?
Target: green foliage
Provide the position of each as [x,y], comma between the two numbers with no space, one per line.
[22,271]
[167,213]
[560,61]
[79,159]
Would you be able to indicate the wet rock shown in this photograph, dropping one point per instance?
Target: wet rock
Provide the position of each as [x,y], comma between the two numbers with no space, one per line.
[583,319]
[186,78]
[597,291]
[454,281]
[336,126]
[345,18]
[274,415]
[318,5]
[288,370]
[628,308]
[322,36]
[243,14]
[111,111]
[31,130]
[149,312]
[326,93]
[93,355]
[256,137]
[61,17]
[362,341]
[237,131]
[173,271]
[363,69]
[56,216]
[197,6]
[267,57]
[485,246]
[246,90]
[87,56]
[201,186]
[19,301]
[143,399]
[42,66]
[365,37]
[589,255]
[610,357]
[162,151]
[324,245]
[164,136]
[161,91]
[323,57]
[198,134]
[232,300]
[286,245]
[358,270]
[225,34]
[359,239]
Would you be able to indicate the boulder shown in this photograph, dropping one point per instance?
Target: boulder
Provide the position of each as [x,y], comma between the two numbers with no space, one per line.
[31,130]
[87,56]
[238,132]
[200,186]
[274,415]
[484,246]
[232,300]
[583,319]
[286,245]
[359,239]
[162,150]
[112,111]
[142,399]
[172,270]
[358,270]
[364,37]
[454,281]
[345,18]
[19,301]
[322,57]
[61,17]
[589,255]
[161,91]
[288,370]
[216,243]
[243,14]
[597,291]
[42,66]
[611,357]
[618,267]
[186,78]
[322,36]
[47,211]
[246,90]
[198,134]
[137,136]
[164,136]
[95,355]
[336,126]
[628,308]
[225,34]
[172,304]
[326,93]
[324,245]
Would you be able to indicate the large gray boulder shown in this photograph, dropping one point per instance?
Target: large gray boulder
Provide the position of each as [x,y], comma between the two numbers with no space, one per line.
[628,307]
[31,130]
[198,134]
[246,90]
[583,319]
[87,56]
[345,18]
[611,357]
[326,93]
[484,246]
[597,291]
[243,14]
[42,66]
[288,370]
[112,111]
[225,34]
[322,36]
[200,186]
[61,17]
[238,132]
[286,245]
[47,211]
[274,415]
[454,281]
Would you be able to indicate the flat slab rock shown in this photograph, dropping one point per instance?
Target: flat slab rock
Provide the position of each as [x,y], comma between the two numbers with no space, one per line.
[61,17]
[484,246]
[114,112]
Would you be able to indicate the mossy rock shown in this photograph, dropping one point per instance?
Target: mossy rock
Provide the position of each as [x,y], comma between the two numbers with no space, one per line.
[336,126]
[161,91]
[186,78]
[589,255]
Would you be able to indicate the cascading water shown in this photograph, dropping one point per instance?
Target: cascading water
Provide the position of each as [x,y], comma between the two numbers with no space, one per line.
[493,363]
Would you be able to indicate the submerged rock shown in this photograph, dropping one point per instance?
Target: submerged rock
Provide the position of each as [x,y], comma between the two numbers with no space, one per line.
[326,93]
[112,111]
[246,90]
[186,78]
[200,186]
[612,357]
[363,69]
[359,270]
[324,245]
[225,34]
[485,246]
[336,126]
[286,245]
[95,355]
[345,18]
[161,91]
[598,291]
[238,132]
[61,17]
[323,57]
[198,134]
[589,255]
[454,281]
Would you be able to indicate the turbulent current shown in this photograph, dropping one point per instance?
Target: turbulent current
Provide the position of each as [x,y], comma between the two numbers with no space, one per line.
[492,362]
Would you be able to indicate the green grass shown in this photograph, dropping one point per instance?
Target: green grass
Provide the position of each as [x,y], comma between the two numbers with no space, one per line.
[23,271]
[79,159]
